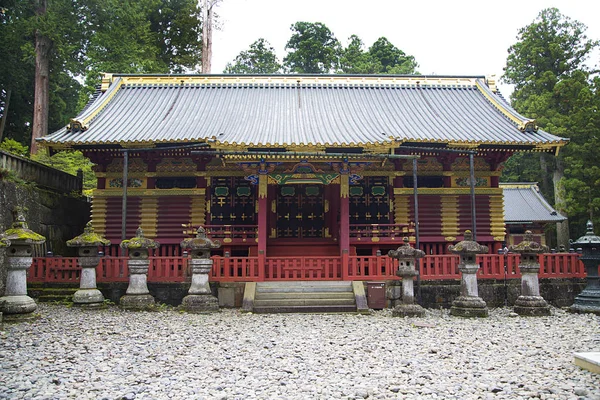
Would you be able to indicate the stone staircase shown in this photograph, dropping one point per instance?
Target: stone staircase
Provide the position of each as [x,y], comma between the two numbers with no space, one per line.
[304,297]
[56,294]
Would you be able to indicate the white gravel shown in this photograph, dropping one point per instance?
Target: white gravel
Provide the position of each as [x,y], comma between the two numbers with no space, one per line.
[111,354]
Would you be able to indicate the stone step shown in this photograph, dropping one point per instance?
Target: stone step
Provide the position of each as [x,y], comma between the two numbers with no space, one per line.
[295,284]
[50,295]
[589,361]
[304,295]
[51,298]
[305,309]
[304,289]
[303,302]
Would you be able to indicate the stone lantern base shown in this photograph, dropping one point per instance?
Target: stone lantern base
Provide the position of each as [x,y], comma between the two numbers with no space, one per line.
[469,306]
[588,301]
[137,302]
[88,298]
[532,306]
[200,303]
[408,310]
[18,308]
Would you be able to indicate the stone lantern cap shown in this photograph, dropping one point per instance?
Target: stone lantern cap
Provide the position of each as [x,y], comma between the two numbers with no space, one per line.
[590,238]
[19,233]
[406,252]
[468,246]
[88,238]
[139,242]
[200,242]
[528,246]
[4,242]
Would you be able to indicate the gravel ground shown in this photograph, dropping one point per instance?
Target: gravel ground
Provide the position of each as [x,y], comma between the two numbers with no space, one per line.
[113,354]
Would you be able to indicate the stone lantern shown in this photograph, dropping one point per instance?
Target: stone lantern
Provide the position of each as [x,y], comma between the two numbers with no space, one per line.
[200,297]
[4,242]
[588,301]
[530,302]
[468,304]
[87,251]
[137,296]
[15,304]
[407,257]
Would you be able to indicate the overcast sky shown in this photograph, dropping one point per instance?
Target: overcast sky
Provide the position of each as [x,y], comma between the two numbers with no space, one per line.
[447,37]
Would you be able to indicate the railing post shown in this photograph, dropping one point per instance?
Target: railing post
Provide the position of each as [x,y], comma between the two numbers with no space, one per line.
[262,265]
[345,265]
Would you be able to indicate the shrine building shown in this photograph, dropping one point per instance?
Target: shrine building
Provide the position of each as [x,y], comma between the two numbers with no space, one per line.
[300,165]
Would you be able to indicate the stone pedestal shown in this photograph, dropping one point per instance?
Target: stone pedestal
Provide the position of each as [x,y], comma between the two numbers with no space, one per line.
[16,305]
[530,303]
[408,307]
[137,296]
[200,298]
[469,304]
[88,295]
[588,301]
[407,258]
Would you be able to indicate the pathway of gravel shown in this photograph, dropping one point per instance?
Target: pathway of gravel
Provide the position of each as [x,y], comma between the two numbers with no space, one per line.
[111,354]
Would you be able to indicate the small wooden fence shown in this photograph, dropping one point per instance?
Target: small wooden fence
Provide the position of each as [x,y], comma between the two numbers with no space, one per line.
[248,269]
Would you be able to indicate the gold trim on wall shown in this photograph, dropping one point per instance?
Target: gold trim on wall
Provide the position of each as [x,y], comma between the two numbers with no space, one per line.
[449,205]
[149,211]
[448,191]
[98,216]
[149,192]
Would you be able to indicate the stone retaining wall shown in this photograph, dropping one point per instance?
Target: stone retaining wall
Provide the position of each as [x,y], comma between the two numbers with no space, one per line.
[558,292]
[58,217]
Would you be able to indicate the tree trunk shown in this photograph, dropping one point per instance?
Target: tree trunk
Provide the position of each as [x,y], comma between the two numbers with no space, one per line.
[207,36]
[42,95]
[5,113]
[562,228]
[546,178]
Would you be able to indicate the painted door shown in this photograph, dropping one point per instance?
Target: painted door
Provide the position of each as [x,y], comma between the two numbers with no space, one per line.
[300,211]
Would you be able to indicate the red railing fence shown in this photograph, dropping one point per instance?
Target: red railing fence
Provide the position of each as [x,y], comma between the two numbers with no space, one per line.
[247,269]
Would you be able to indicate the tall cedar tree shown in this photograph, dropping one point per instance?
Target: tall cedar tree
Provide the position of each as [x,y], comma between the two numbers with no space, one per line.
[312,49]
[547,67]
[260,58]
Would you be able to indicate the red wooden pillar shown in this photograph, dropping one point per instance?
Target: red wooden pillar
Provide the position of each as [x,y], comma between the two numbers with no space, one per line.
[344,224]
[263,215]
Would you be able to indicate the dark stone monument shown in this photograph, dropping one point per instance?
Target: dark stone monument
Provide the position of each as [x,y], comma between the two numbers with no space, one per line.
[200,298]
[407,257]
[16,305]
[87,250]
[4,242]
[468,304]
[137,296]
[588,301]
[530,303]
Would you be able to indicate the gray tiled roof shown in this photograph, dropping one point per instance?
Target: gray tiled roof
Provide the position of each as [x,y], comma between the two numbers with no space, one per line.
[330,112]
[524,203]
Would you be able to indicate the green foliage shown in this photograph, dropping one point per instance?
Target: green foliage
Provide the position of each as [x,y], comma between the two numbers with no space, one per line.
[554,86]
[550,48]
[390,59]
[70,162]
[14,147]
[259,59]
[355,60]
[313,49]
[88,38]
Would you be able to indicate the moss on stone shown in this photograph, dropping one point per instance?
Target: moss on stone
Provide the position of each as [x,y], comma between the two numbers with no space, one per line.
[16,234]
[88,238]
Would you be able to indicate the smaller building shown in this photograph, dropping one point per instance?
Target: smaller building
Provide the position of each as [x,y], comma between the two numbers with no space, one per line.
[526,209]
